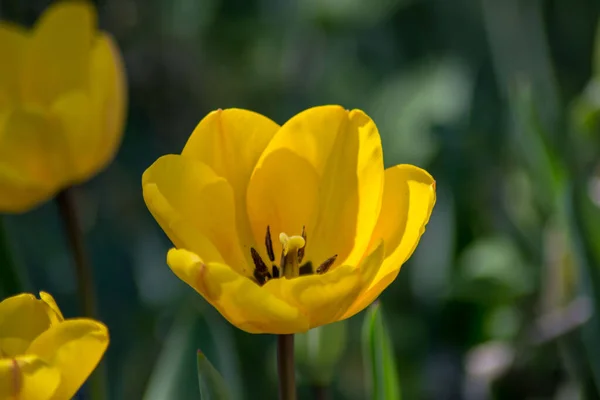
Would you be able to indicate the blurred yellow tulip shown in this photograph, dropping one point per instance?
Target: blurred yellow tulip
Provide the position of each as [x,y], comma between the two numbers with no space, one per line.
[62,104]
[42,355]
[345,225]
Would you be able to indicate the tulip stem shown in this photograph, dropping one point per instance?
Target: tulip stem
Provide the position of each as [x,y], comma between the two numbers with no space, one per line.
[285,367]
[12,279]
[83,271]
[85,283]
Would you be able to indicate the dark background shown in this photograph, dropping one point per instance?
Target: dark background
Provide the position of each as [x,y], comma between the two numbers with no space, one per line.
[496,98]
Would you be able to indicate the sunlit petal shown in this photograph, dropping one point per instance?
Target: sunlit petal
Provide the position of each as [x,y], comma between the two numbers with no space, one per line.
[333,158]
[22,319]
[230,142]
[240,300]
[408,199]
[74,347]
[198,197]
[27,378]
[323,298]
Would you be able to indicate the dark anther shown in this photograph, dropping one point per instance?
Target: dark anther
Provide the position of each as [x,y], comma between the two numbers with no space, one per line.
[269,245]
[306,269]
[261,273]
[326,265]
[275,271]
[301,251]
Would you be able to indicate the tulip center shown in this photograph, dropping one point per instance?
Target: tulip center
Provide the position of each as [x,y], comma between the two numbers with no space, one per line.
[292,255]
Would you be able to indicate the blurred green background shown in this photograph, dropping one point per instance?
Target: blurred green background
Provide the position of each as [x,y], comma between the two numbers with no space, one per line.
[498,99]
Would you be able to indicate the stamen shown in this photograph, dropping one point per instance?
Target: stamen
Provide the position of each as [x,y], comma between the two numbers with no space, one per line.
[306,269]
[275,271]
[301,251]
[326,265]
[269,245]
[261,272]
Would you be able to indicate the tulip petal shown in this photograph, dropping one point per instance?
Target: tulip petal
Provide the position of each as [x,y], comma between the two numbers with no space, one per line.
[240,300]
[28,378]
[195,194]
[79,128]
[343,185]
[17,196]
[323,298]
[13,40]
[22,319]
[74,347]
[230,142]
[53,311]
[57,58]
[31,159]
[408,199]
[109,98]
[283,194]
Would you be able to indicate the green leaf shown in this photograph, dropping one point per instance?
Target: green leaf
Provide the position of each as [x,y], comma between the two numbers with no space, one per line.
[172,371]
[318,352]
[175,372]
[212,385]
[378,355]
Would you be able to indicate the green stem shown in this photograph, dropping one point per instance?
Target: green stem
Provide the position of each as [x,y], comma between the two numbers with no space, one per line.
[85,281]
[83,271]
[12,280]
[285,367]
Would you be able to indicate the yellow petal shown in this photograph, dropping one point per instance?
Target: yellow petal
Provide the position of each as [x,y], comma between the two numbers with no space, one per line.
[22,317]
[183,234]
[13,40]
[79,129]
[57,58]
[323,298]
[17,196]
[283,194]
[196,195]
[109,99]
[324,167]
[230,142]
[32,165]
[240,300]
[27,378]
[408,199]
[74,347]
[53,311]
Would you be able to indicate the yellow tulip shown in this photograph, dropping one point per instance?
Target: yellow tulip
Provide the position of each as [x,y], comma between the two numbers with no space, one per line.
[42,355]
[313,192]
[62,104]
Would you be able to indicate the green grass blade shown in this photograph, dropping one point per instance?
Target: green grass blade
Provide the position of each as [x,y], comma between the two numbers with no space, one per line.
[378,353]
[211,383]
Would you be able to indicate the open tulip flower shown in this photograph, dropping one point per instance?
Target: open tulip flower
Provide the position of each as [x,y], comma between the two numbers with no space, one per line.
[62,104]
[42,355]
[286,228]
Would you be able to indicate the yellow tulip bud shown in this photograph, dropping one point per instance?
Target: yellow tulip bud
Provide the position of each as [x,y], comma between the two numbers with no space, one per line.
[42,355]
[62,104]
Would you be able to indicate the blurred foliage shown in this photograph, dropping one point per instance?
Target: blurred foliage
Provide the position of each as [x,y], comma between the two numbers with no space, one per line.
[498,99]
[378,357]
[319,351]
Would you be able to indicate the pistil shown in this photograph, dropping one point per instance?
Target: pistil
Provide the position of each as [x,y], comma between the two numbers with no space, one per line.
[290,263]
